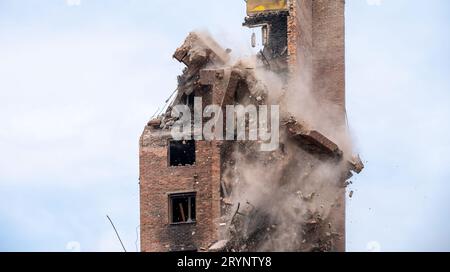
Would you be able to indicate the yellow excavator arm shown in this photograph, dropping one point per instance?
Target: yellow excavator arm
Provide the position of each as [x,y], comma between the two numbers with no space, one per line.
[261,6]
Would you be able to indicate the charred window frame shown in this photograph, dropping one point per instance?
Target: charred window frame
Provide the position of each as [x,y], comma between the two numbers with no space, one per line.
[181,153]
[182,208]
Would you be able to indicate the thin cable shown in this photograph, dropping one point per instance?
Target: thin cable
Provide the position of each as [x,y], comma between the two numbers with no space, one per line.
[118,236]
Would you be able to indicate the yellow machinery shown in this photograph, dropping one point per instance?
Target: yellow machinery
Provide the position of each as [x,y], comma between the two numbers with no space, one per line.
[261,6]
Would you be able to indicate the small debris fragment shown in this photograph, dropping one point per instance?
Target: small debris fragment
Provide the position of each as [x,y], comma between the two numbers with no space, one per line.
[218,246]
[155,123]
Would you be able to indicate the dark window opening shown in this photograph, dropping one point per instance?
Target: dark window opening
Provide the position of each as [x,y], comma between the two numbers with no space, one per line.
[181,153]
[191,100]
[182,208]
[188,100]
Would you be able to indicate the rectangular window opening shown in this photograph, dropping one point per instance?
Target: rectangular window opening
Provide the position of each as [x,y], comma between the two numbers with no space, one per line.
[182,208]
[181,153]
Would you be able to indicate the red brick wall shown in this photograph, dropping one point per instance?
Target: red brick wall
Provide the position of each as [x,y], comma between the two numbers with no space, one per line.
[300,40]
[329,55]
[158,180]
[316,48]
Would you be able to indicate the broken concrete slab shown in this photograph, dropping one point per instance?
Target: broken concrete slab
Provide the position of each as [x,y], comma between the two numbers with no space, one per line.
[197,48]
[312,140]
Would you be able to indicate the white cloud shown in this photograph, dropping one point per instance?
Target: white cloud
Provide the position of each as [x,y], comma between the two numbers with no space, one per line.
[72,3]
[374,2]
[373,246]
[73,246]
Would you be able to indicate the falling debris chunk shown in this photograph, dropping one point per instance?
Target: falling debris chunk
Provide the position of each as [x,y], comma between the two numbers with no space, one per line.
[356,164]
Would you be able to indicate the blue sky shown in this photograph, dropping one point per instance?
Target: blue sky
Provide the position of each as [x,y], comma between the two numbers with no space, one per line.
[80,78]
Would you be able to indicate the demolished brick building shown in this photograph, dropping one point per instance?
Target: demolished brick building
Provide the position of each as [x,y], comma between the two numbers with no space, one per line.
[198,195]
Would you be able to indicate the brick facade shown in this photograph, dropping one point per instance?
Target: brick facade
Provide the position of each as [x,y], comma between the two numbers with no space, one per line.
[158,181]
